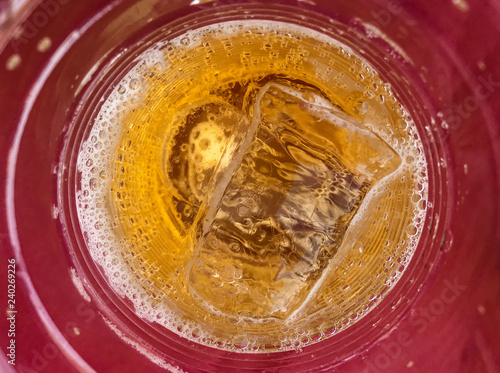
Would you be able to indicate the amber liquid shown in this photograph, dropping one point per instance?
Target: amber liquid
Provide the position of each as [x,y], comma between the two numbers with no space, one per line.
[265,190]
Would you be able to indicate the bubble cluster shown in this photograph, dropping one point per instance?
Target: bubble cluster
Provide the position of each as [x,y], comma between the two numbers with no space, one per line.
[95,162]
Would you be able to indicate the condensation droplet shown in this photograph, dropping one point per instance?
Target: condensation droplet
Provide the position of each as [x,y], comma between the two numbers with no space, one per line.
[13,62]
[55,212]
[461,5]
[44,44]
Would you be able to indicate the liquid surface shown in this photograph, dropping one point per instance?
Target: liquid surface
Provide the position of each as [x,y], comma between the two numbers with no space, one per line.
[252,186]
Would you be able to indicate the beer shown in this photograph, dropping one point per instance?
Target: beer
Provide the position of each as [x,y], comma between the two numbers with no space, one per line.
[252,186]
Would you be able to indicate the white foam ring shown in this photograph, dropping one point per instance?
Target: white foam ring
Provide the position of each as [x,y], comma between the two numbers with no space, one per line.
[97,152]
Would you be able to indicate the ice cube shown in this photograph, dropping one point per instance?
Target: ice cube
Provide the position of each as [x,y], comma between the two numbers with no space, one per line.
[210,135]
[281,210]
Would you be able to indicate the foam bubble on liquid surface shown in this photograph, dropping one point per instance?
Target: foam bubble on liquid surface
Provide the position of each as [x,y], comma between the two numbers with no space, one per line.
[96,161]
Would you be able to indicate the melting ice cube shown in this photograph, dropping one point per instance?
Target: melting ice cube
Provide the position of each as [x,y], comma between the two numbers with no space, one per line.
[284,203]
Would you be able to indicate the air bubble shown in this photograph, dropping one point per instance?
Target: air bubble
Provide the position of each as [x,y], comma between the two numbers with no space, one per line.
[13,62]
[411,230]
[94,184]
[361,108]
[44,44]
[134,84]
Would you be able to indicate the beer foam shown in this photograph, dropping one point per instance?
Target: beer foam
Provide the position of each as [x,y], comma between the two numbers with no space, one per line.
[231,28]
[95,165]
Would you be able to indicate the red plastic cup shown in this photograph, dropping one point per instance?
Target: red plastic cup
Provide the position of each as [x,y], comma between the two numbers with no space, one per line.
[441,58]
